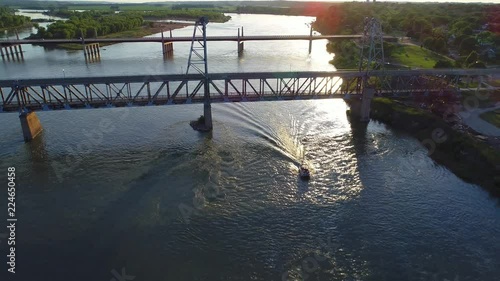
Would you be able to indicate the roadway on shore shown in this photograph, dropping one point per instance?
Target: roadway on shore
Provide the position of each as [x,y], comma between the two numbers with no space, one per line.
[472,119]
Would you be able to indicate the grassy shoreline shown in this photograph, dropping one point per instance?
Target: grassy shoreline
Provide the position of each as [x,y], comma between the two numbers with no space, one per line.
[492,117]
[469,158]
[415,56]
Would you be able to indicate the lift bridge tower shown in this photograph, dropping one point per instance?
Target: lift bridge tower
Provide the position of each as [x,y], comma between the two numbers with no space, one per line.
[371,58]
[198,61]
[372,46]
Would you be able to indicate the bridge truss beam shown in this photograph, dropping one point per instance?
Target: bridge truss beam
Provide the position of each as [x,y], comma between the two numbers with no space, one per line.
[54,94]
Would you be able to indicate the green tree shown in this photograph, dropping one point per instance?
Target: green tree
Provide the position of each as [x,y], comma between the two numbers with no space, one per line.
[471,59]
[485,37]
[9,20]
[468,45]
[428,43]
[443,64]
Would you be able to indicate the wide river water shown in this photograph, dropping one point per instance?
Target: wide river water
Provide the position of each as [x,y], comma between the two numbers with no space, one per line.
[104,193]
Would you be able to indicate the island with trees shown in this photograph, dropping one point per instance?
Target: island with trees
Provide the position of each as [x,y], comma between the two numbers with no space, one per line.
[9,20]
[89,24]
[108,23]
[116,21]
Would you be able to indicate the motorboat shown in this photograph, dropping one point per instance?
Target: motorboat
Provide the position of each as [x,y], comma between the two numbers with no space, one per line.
[304,172]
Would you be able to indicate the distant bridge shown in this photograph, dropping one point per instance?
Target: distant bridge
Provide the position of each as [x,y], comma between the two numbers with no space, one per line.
[12,48]
[179,39]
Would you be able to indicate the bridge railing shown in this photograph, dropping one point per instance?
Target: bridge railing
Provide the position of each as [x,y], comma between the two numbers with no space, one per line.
[63,95]
[89,92]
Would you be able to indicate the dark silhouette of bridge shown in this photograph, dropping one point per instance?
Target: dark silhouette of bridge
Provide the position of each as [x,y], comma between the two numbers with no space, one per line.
[116,91]
[179,39]
[12,48]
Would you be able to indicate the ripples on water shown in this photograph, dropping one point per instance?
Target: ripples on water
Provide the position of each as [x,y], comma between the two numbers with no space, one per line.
[150,195]
[171,203]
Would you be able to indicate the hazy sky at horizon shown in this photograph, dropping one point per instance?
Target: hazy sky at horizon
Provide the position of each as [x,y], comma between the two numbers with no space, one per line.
[146,1]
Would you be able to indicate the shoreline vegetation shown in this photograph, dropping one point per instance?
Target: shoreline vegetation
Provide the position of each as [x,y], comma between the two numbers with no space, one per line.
[433,35]
[492,117]
[437,35]
[109,22]
[470,158]
[93,24]
[177,14]
[9,21]
[147,29]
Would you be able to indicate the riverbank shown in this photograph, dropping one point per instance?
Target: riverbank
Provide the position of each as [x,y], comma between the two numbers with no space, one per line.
[469,158]
[145,30]
[492,117]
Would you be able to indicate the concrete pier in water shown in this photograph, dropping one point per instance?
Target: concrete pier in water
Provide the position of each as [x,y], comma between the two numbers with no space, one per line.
[360,108]
[168,49]
[11,52]
[241,44]
[30,125]
[92,52]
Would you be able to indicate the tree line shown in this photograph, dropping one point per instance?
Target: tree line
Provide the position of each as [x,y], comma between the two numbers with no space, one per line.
[9,20]
[93,23]
[186,14]
[467,31]
[176,12]
[89,24]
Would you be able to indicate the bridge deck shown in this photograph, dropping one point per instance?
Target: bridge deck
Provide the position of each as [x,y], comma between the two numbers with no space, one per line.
[182,39]
[89,92]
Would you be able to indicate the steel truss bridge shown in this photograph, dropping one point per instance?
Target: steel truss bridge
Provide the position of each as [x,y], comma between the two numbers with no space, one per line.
[117,91]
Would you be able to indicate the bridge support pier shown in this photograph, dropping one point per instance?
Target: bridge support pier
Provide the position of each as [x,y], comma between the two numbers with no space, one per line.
[241,45]
[207,113]
[360,108]
[168,49]
[366,102]
[92,52]
[11,51]
[310,39]
[30,125]
[166,46]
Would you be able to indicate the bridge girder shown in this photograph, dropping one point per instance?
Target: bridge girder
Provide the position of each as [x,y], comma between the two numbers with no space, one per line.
[46,94]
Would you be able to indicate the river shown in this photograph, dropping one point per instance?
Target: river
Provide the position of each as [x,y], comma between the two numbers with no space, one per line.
[137,192]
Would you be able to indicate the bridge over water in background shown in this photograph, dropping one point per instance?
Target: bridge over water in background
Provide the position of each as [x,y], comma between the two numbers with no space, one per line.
[12,48]
[180,39]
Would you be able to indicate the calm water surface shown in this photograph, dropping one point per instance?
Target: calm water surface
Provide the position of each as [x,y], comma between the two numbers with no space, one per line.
[137,189]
